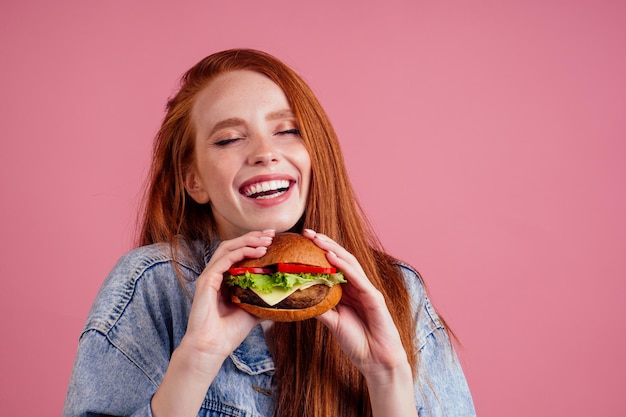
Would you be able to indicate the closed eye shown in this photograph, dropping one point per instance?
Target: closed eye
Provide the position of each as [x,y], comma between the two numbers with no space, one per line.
[289,132]
[225,142]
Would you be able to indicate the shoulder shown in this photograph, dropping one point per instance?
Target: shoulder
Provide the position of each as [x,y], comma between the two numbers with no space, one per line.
[187,255]
[144,276]
[412,279]
[441,388]
[140,313]
[427,319]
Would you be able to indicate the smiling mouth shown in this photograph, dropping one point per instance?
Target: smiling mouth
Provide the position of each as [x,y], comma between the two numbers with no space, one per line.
[266,189]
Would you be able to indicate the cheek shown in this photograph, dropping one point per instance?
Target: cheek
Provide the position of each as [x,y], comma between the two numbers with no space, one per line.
[307,172]
[217,174]
[303,161]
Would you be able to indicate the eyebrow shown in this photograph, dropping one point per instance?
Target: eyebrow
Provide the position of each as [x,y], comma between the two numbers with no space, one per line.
[280,114]
[225,124]
[236,121]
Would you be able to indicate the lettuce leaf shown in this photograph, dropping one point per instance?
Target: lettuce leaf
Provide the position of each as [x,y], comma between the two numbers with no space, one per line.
[283,280]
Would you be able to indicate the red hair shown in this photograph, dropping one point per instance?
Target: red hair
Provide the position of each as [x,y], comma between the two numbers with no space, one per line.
[314,377]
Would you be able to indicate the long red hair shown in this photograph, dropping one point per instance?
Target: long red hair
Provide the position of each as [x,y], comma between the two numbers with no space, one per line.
[314,377]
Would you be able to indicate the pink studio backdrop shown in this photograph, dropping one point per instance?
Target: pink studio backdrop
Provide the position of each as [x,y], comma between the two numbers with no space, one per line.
[486,141]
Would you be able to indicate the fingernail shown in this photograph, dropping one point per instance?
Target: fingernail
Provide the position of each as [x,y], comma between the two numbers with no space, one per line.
[269,231]
[266,238]
[309,231]
[331,253]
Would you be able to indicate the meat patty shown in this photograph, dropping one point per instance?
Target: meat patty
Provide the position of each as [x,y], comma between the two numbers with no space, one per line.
[299,299]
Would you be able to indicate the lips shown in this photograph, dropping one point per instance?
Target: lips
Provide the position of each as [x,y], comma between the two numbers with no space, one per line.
[266,189]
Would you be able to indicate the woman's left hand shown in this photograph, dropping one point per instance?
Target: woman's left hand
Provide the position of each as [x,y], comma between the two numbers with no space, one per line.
[361,322]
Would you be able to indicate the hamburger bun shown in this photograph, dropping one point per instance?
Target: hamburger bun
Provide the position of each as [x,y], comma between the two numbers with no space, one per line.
[289,248]
[302,304]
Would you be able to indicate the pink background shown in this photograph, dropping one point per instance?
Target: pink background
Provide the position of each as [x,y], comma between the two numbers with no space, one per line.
[486,140]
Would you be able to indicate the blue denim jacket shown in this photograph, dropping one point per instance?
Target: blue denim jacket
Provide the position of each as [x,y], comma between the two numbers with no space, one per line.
[140,316]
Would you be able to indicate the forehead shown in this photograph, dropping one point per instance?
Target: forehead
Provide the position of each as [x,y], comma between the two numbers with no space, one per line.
[237,94]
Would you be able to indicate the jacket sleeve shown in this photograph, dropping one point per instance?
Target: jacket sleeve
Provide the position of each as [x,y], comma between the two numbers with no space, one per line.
[105,382]
[441,389]
[137,319]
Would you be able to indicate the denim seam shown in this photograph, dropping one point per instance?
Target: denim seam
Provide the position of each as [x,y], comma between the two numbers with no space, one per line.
[223,408]
[434,322]
[126,296]
[134,362]
[120,350]
[128,291]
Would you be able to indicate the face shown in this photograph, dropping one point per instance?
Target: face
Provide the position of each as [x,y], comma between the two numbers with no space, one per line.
[251,164]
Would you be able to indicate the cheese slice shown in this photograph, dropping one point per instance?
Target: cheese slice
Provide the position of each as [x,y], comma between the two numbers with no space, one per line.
[277,295]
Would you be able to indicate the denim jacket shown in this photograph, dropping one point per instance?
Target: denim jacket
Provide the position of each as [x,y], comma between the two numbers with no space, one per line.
[140,316]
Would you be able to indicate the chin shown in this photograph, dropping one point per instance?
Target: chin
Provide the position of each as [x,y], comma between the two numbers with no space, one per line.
[283,226]
[285,223]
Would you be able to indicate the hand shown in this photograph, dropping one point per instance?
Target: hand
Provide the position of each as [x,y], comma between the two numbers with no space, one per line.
[367,334]
[216,326]
[361,322]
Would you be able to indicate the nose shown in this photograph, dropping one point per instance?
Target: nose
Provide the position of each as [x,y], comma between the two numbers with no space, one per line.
[262,151]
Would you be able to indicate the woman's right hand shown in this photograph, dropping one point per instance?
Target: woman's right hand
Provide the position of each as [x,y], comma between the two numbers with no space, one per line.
[215,328]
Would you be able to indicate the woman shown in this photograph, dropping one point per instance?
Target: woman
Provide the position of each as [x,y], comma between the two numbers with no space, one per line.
[243,119]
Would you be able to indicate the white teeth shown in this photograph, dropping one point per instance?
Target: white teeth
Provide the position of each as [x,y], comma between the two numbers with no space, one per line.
[263,187]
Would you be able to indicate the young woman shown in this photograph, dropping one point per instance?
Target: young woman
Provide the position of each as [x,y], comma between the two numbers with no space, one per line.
[244,152]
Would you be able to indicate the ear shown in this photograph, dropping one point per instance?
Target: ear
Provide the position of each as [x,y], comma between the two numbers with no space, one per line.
[195,188]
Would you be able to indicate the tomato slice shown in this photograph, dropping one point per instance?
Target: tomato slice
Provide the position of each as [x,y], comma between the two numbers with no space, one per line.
[303,269]
[252,270]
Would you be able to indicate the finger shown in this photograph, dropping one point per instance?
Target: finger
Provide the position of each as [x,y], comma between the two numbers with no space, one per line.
[251,239]
[329,319]
[326,243]
[250,245]
[343,260]
[224,262]
[331,247]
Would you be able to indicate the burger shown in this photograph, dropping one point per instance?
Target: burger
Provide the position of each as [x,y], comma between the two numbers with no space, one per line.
[293,281]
